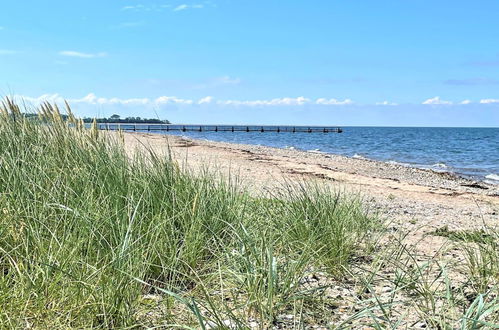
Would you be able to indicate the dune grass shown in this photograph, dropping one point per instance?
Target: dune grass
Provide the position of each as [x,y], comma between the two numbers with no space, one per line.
[94,237]
[87,230]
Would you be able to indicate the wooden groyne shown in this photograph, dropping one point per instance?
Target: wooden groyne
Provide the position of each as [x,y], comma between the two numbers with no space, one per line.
[217,128]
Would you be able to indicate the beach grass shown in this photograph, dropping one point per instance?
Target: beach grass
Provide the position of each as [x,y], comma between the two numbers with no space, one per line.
[85,225]
[94,237]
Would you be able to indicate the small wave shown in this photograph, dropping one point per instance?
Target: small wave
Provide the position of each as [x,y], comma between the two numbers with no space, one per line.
[392,162]
[290,148]
[316,151]
[439,165]
[357,156]
[494,177]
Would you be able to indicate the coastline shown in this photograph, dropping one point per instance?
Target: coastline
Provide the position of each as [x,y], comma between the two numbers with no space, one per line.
[443,150]
[316,163]
[415,201]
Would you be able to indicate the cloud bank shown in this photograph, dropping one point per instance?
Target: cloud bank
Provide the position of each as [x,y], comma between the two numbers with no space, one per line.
[286,110]
[93,99]
[489,101]
[436,101]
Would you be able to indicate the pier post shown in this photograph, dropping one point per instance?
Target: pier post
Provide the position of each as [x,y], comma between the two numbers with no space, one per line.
[136,127]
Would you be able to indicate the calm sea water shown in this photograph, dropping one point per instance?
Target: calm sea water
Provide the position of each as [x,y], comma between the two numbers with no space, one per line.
[470,152]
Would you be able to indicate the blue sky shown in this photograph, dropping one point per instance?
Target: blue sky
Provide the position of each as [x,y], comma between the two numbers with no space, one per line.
[394,63]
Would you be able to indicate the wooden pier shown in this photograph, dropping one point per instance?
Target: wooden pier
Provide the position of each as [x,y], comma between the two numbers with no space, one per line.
[217,128]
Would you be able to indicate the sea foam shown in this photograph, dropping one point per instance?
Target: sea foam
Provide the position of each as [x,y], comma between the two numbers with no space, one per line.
[392,162]
[316,151]
[494,177]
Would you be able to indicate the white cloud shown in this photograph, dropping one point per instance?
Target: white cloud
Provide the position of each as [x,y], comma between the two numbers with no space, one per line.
[162,100]
[92,99]
[489,101]
[181,7]
[184,7]
[324,101]
[437,101]
[386,103]
[286,101]
[53,98]
[152,7]
[134,7]
[206,100]
[171,100]
[72,53]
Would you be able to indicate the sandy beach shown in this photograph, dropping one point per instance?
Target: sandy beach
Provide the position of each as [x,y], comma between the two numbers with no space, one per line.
[250,165]
[416,205]
[417,201]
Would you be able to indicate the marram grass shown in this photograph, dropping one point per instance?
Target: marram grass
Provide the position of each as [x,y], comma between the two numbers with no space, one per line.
[86,230]
[94,237]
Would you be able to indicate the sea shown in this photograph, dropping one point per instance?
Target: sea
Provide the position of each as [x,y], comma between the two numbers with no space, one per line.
[469,152]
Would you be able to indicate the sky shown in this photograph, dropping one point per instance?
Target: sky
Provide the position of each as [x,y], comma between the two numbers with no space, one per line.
[315,62]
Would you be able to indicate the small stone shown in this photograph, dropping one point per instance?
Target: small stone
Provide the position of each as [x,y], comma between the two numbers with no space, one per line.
[287,316]
[253,325]
[150,298]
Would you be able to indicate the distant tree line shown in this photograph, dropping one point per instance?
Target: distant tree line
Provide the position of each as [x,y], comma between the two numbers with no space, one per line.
[115,119]
[118,120]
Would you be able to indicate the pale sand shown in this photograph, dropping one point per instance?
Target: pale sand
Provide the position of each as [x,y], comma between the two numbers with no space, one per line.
[413,200]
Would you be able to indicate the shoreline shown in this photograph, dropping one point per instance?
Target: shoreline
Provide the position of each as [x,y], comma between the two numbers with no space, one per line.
[418,202]
[390,170]
[486,178]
